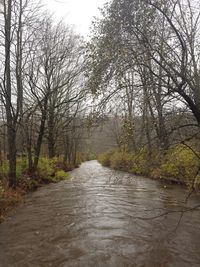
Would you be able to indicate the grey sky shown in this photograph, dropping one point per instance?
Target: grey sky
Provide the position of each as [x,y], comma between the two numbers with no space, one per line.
[77,12]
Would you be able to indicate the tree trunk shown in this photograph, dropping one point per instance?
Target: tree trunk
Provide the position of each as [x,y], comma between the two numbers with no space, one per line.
[40,138]
[11,127]
[51,147]
[12,156]
[51,138]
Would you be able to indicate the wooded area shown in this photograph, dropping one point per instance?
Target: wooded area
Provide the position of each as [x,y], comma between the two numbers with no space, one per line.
[109,111]
[144,64]
[138,73]
[41,84]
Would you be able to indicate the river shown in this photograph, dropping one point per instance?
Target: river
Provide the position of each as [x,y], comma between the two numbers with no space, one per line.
[103,218]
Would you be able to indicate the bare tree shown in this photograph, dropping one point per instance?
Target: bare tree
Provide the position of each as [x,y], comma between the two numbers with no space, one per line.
[14,22]
[54,81]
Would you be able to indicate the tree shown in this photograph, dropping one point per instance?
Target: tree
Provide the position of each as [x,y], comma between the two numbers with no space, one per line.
[54,74]
[15,17]
[158,41]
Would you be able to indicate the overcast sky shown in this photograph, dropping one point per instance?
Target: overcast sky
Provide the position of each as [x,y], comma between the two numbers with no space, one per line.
[77,12]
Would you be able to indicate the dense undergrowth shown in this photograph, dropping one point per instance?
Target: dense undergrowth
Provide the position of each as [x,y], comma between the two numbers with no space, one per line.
[179,164]
[48,171]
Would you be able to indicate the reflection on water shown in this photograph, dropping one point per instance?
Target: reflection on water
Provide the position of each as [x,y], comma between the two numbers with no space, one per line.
[102,218]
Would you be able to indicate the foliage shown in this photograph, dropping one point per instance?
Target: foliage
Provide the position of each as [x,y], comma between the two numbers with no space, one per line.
[53,170]
[91,156]
[178,164]
[61,175]
[29,184]
[49,170]
[141,162]
[105,158]
[45,168]
[4,169]
[21,168]
[122,161]
[2,190]
[80,157]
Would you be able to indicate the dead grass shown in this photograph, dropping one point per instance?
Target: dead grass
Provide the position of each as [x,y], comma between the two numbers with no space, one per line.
[9,200]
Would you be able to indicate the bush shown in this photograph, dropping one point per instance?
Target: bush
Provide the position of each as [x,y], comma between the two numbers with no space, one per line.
[104,158]
[21,167]
[179,163]
[4,168]
[80,157]
[141,164]
[2,190]
[61,175]
[45,168]
[90,156]
[53,170]
[49,170]
[29,184]
[58,163]
[121,161]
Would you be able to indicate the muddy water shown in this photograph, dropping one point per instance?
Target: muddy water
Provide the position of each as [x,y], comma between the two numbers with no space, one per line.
[102,218]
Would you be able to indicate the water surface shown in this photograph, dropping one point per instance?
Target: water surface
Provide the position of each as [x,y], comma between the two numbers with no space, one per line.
[103,217]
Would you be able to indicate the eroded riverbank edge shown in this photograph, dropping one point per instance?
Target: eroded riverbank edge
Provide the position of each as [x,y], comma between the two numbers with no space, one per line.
[13,197]
[178,165]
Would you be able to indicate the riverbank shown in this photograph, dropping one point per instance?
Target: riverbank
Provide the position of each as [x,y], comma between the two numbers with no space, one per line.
[178,165]
[49,171]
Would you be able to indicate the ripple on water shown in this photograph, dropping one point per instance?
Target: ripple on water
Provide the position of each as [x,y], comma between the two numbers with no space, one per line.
[102,218]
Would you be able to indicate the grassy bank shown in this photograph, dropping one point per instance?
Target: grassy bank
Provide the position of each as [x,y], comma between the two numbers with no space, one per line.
[179,164]
[49,171]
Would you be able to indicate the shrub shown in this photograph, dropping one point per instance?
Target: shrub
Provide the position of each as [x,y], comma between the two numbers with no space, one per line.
[58,163]
[52,170]
[141,162]
[21,167]
[2,190]
[121,161]
[61,175]
[91,156]
[80,157]
[45,168]
[179,163]
[104,158]
[28,184]
[4,168]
